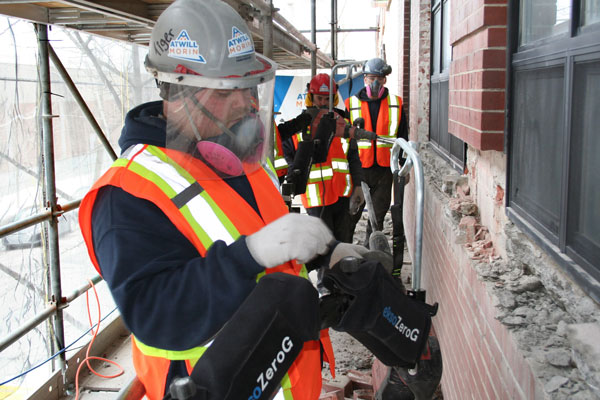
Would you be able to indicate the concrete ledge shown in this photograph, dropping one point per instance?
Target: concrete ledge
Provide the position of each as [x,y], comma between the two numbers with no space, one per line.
[501,326]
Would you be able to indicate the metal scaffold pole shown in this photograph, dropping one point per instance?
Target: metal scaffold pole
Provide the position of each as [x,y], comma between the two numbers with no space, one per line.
[313,37]
[50,191]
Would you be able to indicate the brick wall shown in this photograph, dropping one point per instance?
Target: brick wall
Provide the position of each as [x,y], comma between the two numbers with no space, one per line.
[481,359]
[477,72]
[418,110]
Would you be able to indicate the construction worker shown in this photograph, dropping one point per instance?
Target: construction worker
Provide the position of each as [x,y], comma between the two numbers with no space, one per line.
[383,114]
[188,219]
[333,192]
[283,139]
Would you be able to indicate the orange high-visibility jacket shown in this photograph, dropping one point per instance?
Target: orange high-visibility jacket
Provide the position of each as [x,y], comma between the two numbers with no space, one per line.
[155,174]
[279,161]
[328,181]
[388,121]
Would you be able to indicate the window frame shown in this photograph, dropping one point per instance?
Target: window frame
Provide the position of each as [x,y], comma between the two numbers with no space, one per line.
[579,44]
[441,75]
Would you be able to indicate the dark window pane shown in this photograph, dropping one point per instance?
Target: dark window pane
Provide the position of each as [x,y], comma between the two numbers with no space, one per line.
[457,149]
[590,12]
[537,144]
[543,18]
[584,180]
[443,116]
[434,127]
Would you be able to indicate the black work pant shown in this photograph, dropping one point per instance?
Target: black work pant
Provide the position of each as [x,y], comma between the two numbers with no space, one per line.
[379,179]
[337,217]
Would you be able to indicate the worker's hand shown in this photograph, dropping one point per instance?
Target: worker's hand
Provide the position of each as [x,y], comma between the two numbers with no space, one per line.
[301,121]
[343,250]
[291,237]
[356,200]
[327,125]
[359,123]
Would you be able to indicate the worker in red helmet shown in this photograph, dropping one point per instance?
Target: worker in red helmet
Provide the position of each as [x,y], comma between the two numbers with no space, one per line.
[333,191]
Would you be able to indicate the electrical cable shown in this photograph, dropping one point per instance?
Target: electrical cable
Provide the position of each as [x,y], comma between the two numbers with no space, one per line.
[55,354]
[87,353]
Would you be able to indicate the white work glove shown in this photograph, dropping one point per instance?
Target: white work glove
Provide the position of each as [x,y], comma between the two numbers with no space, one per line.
[356,200]
[293,236]
[343,250]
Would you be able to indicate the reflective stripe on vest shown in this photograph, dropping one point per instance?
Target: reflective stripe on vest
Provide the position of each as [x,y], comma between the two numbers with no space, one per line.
[388,121]
[279,161]
[330,179]
[141,171]
[154,165]
[270,169]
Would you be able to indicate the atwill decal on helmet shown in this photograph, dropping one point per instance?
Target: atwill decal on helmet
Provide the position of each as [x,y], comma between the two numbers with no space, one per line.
[240,43]
[184,48]
[206,44]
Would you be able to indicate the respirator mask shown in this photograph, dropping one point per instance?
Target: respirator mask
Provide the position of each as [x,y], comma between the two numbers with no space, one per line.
[228,129]
[375,87]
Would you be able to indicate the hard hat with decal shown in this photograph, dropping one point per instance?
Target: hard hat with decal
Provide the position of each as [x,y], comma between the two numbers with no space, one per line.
[377,66]
[205,44]
[218,92]
[319,84]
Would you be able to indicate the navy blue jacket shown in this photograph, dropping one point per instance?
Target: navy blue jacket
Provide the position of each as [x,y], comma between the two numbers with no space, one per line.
[168,295]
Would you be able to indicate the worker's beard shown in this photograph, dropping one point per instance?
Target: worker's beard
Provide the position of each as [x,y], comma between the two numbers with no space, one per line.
[228,153]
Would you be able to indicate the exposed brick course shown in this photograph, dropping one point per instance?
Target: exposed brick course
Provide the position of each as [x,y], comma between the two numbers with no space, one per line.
[478,73]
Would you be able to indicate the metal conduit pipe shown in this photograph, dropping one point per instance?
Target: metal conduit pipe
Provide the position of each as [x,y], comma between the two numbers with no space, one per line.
[48,311]
[350,64]
[81,102]
[268,31]
[50,191]
[333,33]
[413,160]
[25,223]
[38,218]
[313,37]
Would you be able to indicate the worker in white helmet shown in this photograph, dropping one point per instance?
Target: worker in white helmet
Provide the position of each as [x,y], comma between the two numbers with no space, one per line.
[186,222]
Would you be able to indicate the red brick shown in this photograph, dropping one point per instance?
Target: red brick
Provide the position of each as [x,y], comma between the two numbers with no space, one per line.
[363,394]
[492,121]
[379,373]
[492,58]
[360,380]
[493,101]
[335,395]
[493,79]
[342,383]
[495,15]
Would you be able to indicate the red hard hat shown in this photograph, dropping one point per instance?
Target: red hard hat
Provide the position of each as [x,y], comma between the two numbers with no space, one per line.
[319,84]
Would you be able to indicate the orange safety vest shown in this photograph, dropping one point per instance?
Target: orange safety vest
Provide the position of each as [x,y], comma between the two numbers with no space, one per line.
[330,180]
[388,121]
[279,161]
[131,173]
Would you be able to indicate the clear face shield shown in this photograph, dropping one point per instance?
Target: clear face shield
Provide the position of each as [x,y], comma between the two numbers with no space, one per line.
[228,129]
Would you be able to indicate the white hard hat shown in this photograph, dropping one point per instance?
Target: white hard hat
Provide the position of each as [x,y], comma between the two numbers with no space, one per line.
[205,43]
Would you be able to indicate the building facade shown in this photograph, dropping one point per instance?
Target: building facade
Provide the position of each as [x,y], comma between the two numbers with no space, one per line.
[503,101]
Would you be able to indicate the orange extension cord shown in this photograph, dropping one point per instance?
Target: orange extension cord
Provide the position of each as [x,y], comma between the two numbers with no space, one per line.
[87,353]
